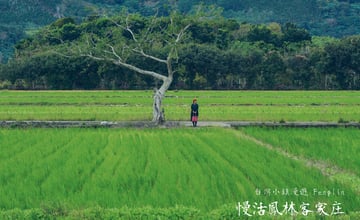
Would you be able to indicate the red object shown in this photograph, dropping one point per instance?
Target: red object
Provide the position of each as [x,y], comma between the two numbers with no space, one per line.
[194,118]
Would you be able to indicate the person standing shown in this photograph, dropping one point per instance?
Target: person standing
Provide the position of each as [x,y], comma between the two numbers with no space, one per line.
[194,112]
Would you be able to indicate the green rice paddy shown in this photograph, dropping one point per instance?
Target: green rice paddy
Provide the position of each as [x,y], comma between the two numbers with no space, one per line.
[203,168]
[328,106]
[340,147]
[179,173]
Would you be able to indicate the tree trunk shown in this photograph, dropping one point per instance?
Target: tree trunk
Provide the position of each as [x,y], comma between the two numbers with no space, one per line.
[158,116]
[159,94]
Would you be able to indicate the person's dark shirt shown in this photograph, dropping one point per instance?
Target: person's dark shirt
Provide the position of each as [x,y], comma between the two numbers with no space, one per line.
[195,109]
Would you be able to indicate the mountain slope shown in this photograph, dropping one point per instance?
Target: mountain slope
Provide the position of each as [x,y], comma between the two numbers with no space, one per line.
[320,17]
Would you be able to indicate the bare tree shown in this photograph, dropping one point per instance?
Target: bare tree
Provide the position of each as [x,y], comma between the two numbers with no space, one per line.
[133,35]
[154,39]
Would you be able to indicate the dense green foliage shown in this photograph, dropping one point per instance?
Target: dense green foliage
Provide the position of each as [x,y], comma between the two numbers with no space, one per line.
[321,17]
[298,106]
[218,54]
[62,172]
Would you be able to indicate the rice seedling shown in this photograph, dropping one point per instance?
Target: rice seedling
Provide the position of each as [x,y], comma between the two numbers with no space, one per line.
[203,168]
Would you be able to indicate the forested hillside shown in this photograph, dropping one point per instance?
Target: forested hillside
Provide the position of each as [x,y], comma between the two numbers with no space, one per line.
[217,53]
[320,17]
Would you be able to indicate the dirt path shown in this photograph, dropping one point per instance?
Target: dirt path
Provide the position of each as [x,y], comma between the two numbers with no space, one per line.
[331,171]
[169,124]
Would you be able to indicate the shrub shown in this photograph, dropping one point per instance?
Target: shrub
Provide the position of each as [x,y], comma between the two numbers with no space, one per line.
[341,120]
[5,84]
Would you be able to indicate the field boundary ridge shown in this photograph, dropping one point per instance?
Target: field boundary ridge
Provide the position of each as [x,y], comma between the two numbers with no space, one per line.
[167,124]
[327,169]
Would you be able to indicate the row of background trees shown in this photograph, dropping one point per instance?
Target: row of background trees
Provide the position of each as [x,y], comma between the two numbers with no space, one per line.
[218,53]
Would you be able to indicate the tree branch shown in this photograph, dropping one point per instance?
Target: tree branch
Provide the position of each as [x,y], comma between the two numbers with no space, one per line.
[149,56]
[101,50]
[139,47]
[114,52]
[141,71]
[129,66]
[181,33]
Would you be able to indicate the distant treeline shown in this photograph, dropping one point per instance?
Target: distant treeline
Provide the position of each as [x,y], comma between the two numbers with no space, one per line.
[218,54]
